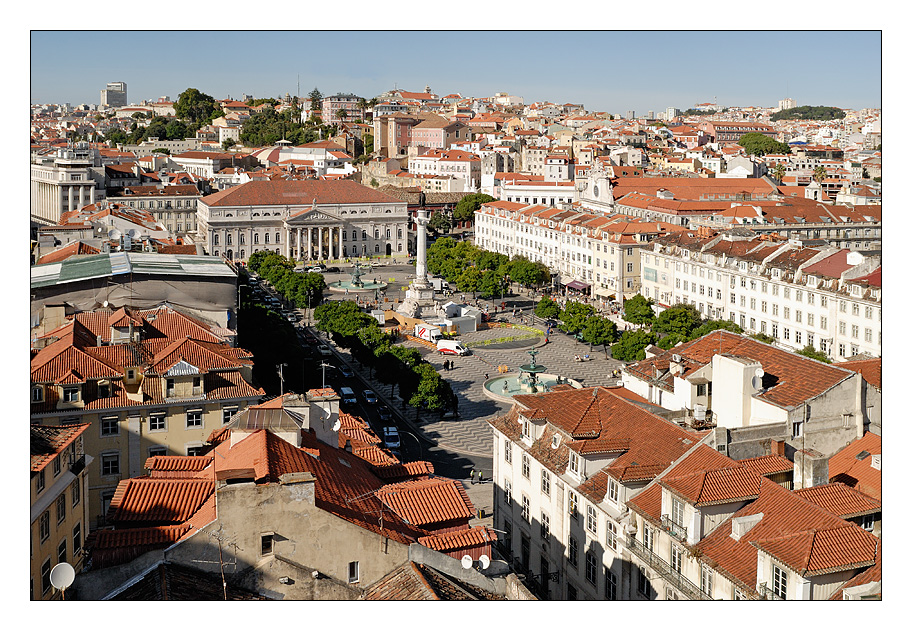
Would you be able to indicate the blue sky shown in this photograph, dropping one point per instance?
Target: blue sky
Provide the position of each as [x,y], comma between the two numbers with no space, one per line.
[604,70]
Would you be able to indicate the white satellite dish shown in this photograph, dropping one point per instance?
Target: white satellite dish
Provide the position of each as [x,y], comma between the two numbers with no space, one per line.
[757,383]
[337,425]
[131,233]
[115,233]
[104,304]
[466,561]
[759,372]
[485,561]
[62,576]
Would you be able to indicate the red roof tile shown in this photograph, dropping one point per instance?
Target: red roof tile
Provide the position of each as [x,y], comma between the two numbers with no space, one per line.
[157,500]
[852,465]
[840,500]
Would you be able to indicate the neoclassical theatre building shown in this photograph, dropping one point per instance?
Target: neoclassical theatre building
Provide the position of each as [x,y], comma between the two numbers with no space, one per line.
[302,219]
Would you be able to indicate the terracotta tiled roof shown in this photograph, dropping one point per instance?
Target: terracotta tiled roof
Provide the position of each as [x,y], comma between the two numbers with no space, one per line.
[868,368]
[148,500]
[296,192]
[459,539]
[768,465]
[404,583]
[47,441]
[113,547]
[816,552]
[176,466]
[871,575]
[404,470]
[852,465]
[840,500]
[429,501]
[718,486]
[73,249]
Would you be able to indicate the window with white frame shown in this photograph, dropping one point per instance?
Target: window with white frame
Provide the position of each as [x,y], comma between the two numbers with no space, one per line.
[591,520]
[508,492]
[110,426]
[642,580]
[194,418]
[157,422]
[545,527]
[573,552]
[525,465]
[227,413]
[706,579]
[158,450]
[780,582]
[677,511]
[647,537]
[526,512]
[611,538]
[508,450]
[610,585]
[353,572]
[612,490]
[591,571]
[110,464]
[546,482]
[572,504]
[676,558]
[574,462]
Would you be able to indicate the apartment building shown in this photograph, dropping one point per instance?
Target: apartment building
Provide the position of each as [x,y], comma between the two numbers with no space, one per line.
[822,297]
[590,252]
[453,163]
[174,206]
[565,463]
[145,382]
[341,108]
[58,499]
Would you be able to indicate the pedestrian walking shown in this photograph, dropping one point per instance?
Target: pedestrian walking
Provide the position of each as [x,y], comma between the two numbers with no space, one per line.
[486,376]
[472,475]
[479,477]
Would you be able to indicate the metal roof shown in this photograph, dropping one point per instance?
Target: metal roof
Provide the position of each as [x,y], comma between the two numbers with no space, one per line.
[79,268]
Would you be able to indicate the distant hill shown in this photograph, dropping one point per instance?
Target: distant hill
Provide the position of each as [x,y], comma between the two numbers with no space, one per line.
[809,112]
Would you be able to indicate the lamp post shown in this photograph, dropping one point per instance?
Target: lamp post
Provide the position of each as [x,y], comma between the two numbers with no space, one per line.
[420,450]
[281,379]
[324,365]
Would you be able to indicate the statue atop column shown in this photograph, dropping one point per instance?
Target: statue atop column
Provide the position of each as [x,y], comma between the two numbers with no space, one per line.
[420,293]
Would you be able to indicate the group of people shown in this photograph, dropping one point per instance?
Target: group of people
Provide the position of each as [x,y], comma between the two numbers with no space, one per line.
[447,364]
[474,473]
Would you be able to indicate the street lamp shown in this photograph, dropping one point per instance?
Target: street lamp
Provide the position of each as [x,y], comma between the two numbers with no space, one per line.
[324,365]
[420,450]
[281,379]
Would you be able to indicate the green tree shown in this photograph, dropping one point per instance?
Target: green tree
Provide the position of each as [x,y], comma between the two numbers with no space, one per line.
[632,344]
[679,319]
[819,173]
[440,223]
[176,130]
[813,353]
[368,141]
[547,309]
[763,337]
[469,280]
[599,331]
[757,144]
[342,317]
[491,284]
[432,392]
[638,310]
[196,106]
[713,325]
[466,207]
[228,143]
[778,172]
[574,316]
[310,289]
[528,273]
[316,99]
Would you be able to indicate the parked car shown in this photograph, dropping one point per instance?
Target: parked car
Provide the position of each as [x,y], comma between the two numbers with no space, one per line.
[391,438]
[384,413]
[346,371]
[370,397]
[324,351]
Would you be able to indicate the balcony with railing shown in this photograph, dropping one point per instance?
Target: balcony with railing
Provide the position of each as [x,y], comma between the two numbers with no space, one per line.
[674,528]
[665,571]
[768,594]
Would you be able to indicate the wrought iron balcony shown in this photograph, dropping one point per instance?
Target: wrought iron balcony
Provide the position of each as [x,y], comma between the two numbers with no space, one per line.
[674,528]
[768,594]
[665,571]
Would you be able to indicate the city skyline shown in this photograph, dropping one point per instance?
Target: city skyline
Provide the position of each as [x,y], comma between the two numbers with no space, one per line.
[713,72]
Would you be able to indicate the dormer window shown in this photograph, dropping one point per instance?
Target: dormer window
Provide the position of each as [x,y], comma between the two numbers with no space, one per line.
[574,463]
[37,394]
[71,393]
[169,387]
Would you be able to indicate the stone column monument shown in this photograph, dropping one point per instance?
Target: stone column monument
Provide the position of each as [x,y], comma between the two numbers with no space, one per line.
[420,293]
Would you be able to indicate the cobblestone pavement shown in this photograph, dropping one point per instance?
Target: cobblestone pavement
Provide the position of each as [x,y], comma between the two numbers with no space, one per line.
[470,434]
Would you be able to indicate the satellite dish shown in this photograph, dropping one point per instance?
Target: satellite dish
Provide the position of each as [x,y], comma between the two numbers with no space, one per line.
[62,576]
[115,233]
[757,383]
[485,561]
[337,425]
[466,561]
[131,233]
[104,304]
[759,373]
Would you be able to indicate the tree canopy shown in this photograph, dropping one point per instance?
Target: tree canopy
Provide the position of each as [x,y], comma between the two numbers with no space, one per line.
[466,207]
[599,331]
[196,106]
[547,308]
[813,353]
[632,345]
[638,310]
[810,112]
[757,144]
[574,316]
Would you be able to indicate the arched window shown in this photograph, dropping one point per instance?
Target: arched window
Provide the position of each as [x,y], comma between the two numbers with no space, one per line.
[376,234]
[256,237]
[364,235]
[278,240]
[399,233]
[241,240]
[266,238]
[215,239]
[242,255]
[388,233]
[377,248]
[355,250]
[400,247]
[228,240]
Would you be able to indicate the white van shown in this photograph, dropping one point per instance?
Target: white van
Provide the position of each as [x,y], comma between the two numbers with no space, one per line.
[348,395]
[451,347]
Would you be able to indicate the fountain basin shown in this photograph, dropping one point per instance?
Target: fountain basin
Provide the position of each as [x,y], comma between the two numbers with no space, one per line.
[517,384]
